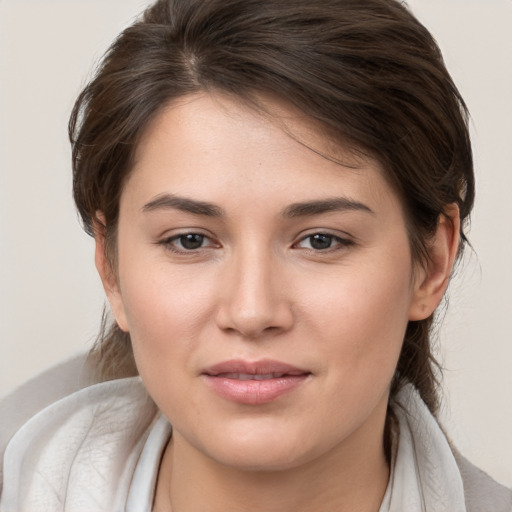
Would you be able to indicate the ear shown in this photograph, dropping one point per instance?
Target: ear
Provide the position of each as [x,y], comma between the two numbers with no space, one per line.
[107,273]
[432,279]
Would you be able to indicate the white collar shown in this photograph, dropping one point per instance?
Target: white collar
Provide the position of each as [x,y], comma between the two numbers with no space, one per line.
[80,453]
[424,475]
[142,489]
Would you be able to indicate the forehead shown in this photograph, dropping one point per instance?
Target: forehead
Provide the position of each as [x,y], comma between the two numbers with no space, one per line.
[265,112]
[204,142]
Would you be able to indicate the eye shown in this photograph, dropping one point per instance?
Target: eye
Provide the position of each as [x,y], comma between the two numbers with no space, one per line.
[322,242]
[186,242]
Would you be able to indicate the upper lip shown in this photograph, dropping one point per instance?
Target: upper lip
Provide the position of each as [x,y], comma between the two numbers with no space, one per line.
[260,367]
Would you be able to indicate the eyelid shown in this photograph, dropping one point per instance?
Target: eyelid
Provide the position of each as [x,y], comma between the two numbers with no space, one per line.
[168,241]
[344,240]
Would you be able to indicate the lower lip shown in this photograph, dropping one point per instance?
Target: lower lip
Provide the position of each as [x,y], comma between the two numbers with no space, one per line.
[254,392]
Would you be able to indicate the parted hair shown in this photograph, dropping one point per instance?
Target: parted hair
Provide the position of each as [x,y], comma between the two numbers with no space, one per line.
[366,70]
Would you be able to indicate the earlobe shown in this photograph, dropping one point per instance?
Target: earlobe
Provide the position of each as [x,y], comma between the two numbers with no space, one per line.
[433,279]
[107,273]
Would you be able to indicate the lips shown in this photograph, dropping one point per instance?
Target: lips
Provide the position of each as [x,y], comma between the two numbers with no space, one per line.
[254,383]
[250,376]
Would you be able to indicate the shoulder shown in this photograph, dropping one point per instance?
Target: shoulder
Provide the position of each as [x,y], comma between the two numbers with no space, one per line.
[94,434]
[483,494]
[442,473]
[47,387]
[20,405]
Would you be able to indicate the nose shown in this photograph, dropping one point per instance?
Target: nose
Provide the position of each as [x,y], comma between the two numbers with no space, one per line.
[254,301]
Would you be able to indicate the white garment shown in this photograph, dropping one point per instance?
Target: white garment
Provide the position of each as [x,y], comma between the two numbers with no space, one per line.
[142,491]
[80,453]
[424,474]
[99,450]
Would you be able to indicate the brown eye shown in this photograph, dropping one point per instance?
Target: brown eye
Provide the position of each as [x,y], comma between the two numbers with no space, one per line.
[321,241]
[318,241]
[187,242]
[190,241]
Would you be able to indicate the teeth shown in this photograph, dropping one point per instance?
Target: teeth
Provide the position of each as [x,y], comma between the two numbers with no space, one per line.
[251,376]
[265,377]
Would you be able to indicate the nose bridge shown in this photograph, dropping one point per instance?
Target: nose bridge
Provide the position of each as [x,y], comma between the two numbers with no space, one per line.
[254,301]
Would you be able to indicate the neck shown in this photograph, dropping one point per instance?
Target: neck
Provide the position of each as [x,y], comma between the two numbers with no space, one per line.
[350,477]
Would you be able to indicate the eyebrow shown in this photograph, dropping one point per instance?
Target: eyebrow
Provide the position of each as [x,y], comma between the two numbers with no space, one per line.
[173,202]
[304,209]
[335,204]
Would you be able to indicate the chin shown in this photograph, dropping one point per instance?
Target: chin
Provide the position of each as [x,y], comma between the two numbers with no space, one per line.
[265,452]
[260,462]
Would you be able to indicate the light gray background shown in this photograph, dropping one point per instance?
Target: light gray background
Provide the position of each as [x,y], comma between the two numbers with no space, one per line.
[51,298]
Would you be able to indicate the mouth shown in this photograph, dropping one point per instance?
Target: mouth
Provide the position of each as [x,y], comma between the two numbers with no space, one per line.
[252,376]
[254,383]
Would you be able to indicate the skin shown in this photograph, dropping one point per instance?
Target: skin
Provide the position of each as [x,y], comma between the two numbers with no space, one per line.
[258,287]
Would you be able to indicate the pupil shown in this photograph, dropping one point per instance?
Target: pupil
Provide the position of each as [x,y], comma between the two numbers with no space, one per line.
[192,241]
[321,241]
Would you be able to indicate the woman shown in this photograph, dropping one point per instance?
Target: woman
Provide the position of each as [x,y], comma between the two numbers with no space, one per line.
[278,193]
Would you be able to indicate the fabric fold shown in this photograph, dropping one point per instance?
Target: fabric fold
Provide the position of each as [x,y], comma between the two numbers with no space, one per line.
[79,454]
[425,476]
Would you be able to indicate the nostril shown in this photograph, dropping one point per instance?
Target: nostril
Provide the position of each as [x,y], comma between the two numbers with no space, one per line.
[256,326]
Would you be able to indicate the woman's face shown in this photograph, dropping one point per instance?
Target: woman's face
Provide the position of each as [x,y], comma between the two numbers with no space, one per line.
[266,288]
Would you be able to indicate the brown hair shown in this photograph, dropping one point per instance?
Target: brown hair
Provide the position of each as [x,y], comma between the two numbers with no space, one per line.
[367,70]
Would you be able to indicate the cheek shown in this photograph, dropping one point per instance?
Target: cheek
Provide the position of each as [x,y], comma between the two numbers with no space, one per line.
[364,315]
[357,330]
[164,316]
[165,309]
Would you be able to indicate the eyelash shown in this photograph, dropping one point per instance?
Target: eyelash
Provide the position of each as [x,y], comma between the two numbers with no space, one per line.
[340,243]
[170,243]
